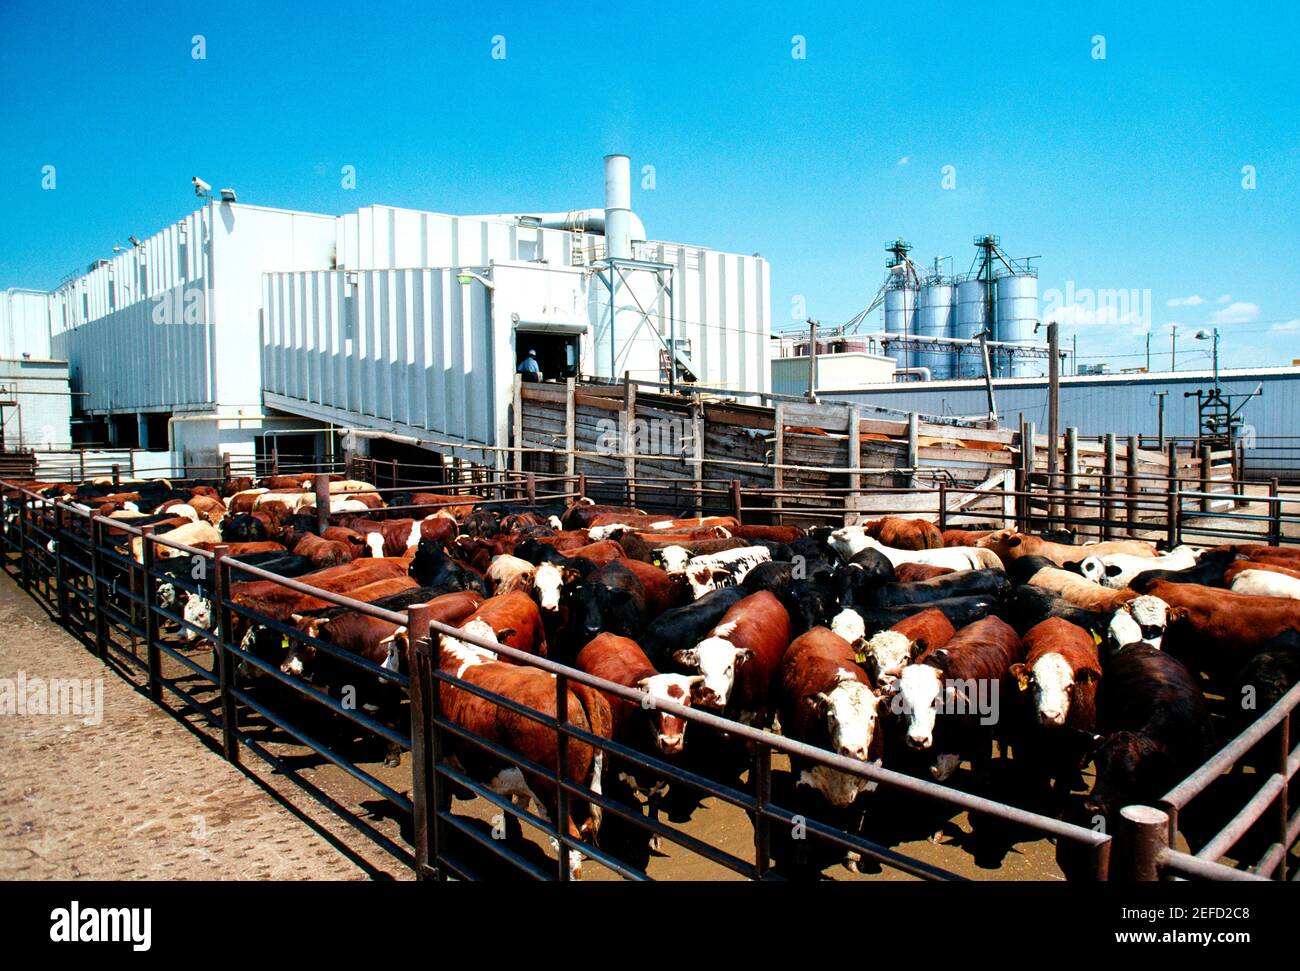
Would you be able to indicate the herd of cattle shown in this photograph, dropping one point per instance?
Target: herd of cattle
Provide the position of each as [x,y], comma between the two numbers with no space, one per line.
[887,642]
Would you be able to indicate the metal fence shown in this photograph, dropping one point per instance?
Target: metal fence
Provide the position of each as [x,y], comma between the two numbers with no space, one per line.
[83,568]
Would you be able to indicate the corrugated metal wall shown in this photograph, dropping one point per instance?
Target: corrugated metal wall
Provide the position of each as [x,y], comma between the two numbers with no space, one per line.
[24,324]
[1125,405]
[411,347]
[44,407]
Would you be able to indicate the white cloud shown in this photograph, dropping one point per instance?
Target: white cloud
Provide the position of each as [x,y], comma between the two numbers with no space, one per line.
[1226,298]
[1191,301]
[1236,313]
[904,160]
[1287,325]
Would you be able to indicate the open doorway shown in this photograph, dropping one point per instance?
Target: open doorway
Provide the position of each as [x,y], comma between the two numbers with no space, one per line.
[557,354]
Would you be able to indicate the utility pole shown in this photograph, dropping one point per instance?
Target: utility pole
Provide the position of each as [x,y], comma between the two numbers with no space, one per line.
[1173,348]
[1160,418]
[1053,407]
[1148,352]
[812,359]
[988,374]
[1074,353]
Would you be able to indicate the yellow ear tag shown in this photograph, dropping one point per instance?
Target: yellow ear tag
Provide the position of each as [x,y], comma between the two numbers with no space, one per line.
[284,642]
[1096,638]
[1022,682]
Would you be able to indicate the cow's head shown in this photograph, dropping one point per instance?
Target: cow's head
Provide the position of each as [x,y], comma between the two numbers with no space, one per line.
[463,652]
[886,654]
[704,578]
[848,541]
[614,530]
[673,559]
[849,711]
[198,613]
[1051,680]
[669,731]
[596,609]
[375,543]
[1143,620]
[548,584]
[716,659]
[1118,762]
[917,693]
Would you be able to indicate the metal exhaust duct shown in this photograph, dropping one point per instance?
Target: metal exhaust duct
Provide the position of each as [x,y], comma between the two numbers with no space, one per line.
[618,207]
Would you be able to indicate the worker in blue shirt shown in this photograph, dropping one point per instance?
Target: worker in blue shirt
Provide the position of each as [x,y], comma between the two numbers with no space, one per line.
[529,368]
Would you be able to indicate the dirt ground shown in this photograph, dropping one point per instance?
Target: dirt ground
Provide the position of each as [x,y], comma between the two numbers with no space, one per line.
[136,796]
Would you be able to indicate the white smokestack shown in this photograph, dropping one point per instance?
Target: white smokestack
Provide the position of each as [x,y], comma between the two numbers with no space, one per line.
[618,206]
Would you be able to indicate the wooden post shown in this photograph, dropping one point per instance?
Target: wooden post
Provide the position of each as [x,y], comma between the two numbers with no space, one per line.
[117,474]
[581,490]
[517,431]
[943,505]
[1107,503]
[1140,838]
[1029,458]
[321,484]
[570,426]
[1072,511]
[736,501]
[629,437]
[697,433]
[913,446]
[226,475]
[221,618]
[1207,480]
[778,455]
[1174,514]
[1134,485]
[855,451]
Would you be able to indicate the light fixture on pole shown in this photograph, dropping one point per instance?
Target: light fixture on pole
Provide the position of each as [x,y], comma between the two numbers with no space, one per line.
[466,277]
[1205,335]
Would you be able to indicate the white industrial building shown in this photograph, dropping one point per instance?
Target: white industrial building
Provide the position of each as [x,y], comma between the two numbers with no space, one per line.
[243,323]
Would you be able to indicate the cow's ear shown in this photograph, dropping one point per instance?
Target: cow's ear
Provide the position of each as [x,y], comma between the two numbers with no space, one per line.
[1014,541]
[1176,613]
[505,634]
[1086,676]
[686,656]
[744,655]
[1021,674]
[918,648]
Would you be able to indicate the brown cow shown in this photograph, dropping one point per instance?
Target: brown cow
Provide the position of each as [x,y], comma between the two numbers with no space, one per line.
[776,534]
[1080,591]
[886,654]
[1229,626]
[599,553]
[1061,666]
[323,552]
[662,592]
[740,659]
[912,572]
[511,619]
[905,534]
[964,537]
[585,709]
[964,680]
[1010,545]
[621,660]
[581,514]
[827,701]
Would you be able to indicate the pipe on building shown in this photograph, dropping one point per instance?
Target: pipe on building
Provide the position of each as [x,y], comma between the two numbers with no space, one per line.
[922,372]
[581,220]
[618,206]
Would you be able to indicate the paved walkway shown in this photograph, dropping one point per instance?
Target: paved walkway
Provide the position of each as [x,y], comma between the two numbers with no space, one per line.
[136,796]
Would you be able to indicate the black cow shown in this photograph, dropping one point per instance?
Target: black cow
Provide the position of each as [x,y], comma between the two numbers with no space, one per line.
[432,567]
[1155,728]
[1258,686]
[964,583]
[610,599]
[687,625]
[243,528]
[1208,572]
[1027,605]
[960,611]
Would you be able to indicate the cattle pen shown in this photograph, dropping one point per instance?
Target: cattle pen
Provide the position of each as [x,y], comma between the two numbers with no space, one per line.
[76,565]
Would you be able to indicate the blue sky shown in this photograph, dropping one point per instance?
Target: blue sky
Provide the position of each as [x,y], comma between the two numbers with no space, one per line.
[1123,173]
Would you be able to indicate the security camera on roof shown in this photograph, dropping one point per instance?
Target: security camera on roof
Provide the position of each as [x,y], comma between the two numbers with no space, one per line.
[201,188]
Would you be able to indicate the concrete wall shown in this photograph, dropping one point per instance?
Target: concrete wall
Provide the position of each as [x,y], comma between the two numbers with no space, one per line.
[43,411]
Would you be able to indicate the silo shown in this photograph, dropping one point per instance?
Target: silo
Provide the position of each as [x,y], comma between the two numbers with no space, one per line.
[1017,312]
[934,318]
[900,318]
[970,320]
